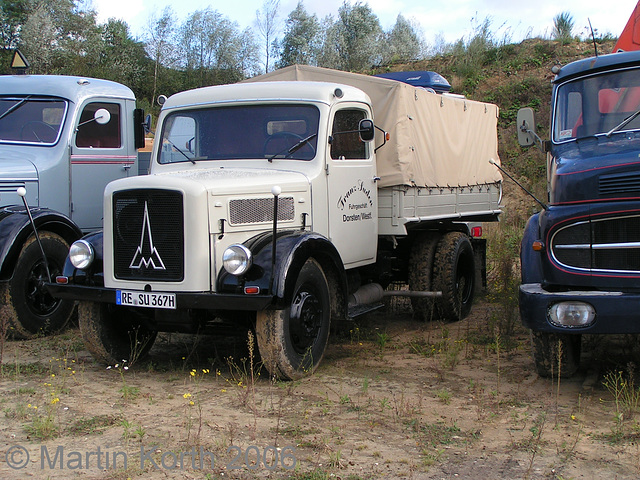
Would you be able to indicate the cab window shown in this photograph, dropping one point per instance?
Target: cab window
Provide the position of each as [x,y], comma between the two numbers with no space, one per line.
[345,139]
[91,134]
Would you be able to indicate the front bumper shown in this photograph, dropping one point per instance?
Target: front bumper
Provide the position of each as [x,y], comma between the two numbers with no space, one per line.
[616,312]
[184,300]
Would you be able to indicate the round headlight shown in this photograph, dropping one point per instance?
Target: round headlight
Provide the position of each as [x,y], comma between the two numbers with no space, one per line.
[237,259]
[81,254]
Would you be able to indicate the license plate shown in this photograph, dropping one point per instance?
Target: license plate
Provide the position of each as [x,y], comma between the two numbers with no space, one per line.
[134,298]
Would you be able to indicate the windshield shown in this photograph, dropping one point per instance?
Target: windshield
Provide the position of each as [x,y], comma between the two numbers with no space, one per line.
[240,132]
[31,120]
[597,105]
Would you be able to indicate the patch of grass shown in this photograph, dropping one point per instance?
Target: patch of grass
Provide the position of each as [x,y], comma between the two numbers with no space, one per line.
[444,396]
[26,369]
[92,425]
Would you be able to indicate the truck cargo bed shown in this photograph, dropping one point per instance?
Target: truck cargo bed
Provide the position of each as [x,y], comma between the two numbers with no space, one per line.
[400,206]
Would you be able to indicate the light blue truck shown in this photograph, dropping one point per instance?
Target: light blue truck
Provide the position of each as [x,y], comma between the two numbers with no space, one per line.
[62,139]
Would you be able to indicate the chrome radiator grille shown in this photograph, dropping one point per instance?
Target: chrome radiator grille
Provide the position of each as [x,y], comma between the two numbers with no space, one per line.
[610,245]
[260,210]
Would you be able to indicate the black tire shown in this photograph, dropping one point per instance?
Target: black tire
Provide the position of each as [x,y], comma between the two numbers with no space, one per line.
[454,275]
[545,353]
[292,341]
[113,334]
[31,308]
[421,272]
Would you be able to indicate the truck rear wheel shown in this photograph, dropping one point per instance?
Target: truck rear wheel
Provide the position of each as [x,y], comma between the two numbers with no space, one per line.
[292,341]
[454,275]
[113,334]
[32,310]
[546,349]
[420,273]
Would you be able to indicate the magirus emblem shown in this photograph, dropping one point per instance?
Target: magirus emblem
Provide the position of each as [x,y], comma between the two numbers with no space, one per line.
[146,254]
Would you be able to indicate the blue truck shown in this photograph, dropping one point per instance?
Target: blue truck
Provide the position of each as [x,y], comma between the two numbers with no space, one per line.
[580,254]
[62,139]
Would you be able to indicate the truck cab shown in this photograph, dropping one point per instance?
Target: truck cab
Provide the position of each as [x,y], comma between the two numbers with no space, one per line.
[62,139]
[581,254]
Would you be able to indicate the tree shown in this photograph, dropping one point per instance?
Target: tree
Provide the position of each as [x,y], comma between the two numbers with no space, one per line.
[301,41]
[268,25]
[403,43]
[58,36]
[13,14]
[40,35]
[211,48]
[354,41]
[563,27]
[159,45]
[122,59]
[249,59]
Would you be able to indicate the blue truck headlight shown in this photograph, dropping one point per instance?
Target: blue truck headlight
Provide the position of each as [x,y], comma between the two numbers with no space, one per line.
[81,254]
[572,314]
[237,259]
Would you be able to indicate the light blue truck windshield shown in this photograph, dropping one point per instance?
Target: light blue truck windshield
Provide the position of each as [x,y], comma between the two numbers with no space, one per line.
[31,120]
[240,132]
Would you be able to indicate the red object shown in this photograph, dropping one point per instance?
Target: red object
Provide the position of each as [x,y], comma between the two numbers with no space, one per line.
[630,37]
[476,232]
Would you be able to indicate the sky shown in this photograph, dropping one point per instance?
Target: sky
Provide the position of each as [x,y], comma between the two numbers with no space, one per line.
[511,20]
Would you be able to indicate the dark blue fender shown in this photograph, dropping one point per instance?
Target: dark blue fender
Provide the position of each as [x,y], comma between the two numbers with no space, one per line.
[15,229]
[293,249]
[94,275]
[530,260]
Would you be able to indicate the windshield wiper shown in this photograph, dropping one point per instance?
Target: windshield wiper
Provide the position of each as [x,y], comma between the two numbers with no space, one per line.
[623,123]
[15,106]
[294,148]
[192,160]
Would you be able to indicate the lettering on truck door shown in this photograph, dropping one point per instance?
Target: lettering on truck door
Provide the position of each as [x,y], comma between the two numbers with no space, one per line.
[99,154]
[353,195]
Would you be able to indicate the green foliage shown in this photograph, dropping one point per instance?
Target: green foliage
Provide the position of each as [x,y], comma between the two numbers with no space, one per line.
[301,41]
[563,27]
[403,42]
[353,41]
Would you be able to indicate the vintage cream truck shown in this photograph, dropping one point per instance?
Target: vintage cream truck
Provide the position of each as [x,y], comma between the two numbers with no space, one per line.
[288,203]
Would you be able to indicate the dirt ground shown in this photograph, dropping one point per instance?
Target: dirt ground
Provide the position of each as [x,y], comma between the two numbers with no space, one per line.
[393,398]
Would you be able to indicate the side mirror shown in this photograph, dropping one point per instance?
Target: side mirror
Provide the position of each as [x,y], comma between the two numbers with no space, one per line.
[147,124]
[526,125]
[102,116]
[366,130]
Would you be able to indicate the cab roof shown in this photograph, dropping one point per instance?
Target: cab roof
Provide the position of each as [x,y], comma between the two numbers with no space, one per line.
[71,88]
[598,64]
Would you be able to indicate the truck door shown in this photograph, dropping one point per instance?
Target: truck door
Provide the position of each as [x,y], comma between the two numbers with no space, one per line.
[353,195]
[100,153]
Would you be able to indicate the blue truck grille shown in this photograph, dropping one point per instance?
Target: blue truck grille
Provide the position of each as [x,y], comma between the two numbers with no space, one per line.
[609,245]
[619,184]
[148,235]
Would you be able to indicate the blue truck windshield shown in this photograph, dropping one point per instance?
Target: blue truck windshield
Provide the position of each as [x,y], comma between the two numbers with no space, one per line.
[240,132]
[31,120]
[597,105]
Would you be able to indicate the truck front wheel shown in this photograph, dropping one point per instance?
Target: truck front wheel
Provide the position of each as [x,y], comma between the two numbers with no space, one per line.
[31,309]
[556,352]
[113,334]
[454,275]
[292,341]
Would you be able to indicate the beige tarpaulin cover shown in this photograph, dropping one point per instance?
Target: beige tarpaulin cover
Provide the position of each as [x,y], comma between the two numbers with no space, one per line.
[436,140]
